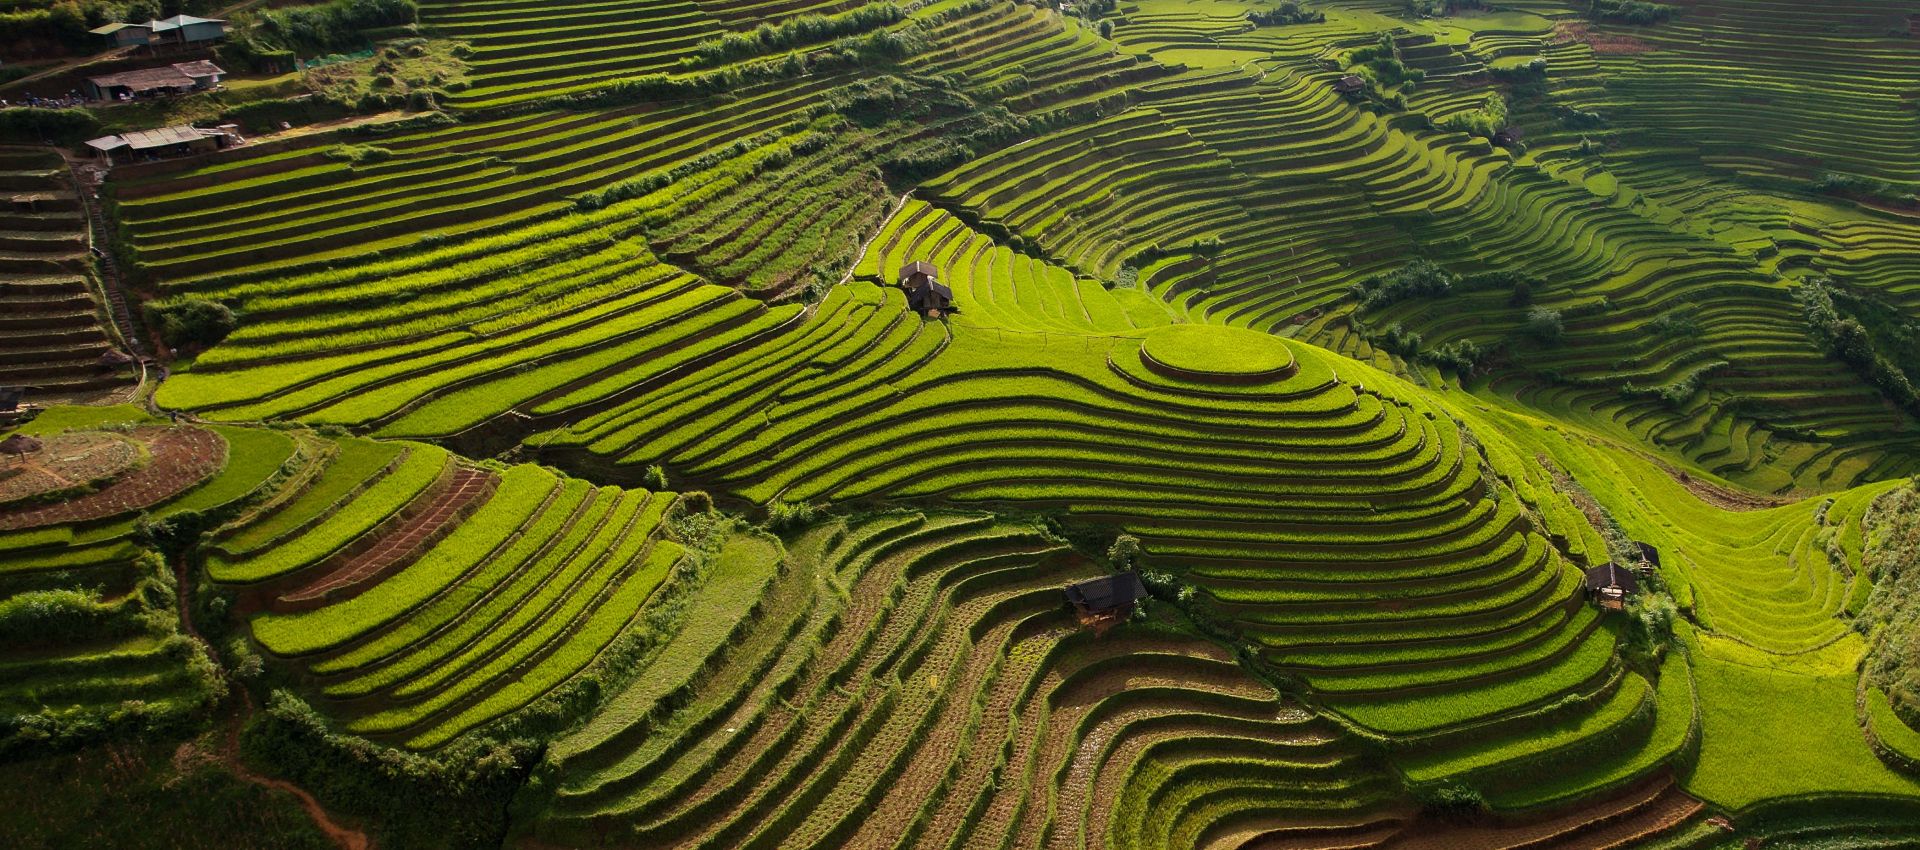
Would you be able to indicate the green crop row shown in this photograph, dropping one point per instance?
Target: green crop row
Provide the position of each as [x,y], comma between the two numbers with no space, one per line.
[522,489]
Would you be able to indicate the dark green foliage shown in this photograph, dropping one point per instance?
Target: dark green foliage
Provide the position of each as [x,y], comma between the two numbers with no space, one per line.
[457,799]
[1489,119]
[279,35]
[1676,394]
[1521,295]
[795,32]
[359,153]
[1650,617]
[1399,340]
[1630,11]
[1285,13]
[1875,339]
[1678,323]
[1418,279]
[1106,29]
[55,617]
[1579,119]
[31,126]
[174,535]
[1545,325]
[1452,801]
[157,796]
[1463,356]
[784,517]
[191,322]
[1381,65]
[879,100]
[1863,188]
[1891,617]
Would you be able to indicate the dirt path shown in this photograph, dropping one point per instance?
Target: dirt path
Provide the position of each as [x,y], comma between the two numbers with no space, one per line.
[228,755]
[344,837]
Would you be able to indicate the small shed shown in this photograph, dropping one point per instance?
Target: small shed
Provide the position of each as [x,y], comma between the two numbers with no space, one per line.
[164,142]
[917,270]
[187,30]
[1648,555]
[1507,137]
[125,35]
[1350,84]
[1611,585]
[926,295]
[10,398]
[19,445]
[177,78]
[1107,598]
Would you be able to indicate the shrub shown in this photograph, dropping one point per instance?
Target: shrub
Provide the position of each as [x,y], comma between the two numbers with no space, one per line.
[1853,341]
[1454,801]
[1679,322]
[1522,294]
[1418,279]
[190,322]
[1853,186]
[1287,12]
[1630,11]
[1545,325]
[59,617]
[1489,119]
[806,29]
[790,516]
[28,125]
[359,153]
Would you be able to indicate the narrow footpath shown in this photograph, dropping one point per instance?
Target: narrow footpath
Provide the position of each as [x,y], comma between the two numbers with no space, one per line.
[228,755]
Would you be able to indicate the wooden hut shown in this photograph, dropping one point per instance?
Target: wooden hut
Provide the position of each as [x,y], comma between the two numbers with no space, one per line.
[1649,556]
[1610,586]
[926,295]
[1105,601]
[1350,84]
[19,446]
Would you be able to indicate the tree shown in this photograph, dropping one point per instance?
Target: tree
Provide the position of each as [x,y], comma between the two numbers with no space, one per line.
[191,322]
[1125,552]
[1545,325]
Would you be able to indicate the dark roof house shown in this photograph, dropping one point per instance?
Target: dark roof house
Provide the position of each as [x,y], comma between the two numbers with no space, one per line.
[917,269]
[1508,136]
[1648,554]
[166,141]
[926,295]
[180,77]
[1107,594]
[1611,585]
[10,398]
[177,31]
[125,35]
[1350,84]
[932,298]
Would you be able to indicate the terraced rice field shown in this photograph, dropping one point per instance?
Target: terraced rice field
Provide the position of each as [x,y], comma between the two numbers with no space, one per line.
[578,473]
[53,337]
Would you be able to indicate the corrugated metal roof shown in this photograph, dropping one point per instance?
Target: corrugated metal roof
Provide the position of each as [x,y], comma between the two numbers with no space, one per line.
[148,139]
[146,79]
[110,29]
[178,21]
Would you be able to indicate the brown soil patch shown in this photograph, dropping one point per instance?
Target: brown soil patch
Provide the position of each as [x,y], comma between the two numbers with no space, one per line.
[179,458]
[399,546]
[1724,498]
[64,462]
[1567,32]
